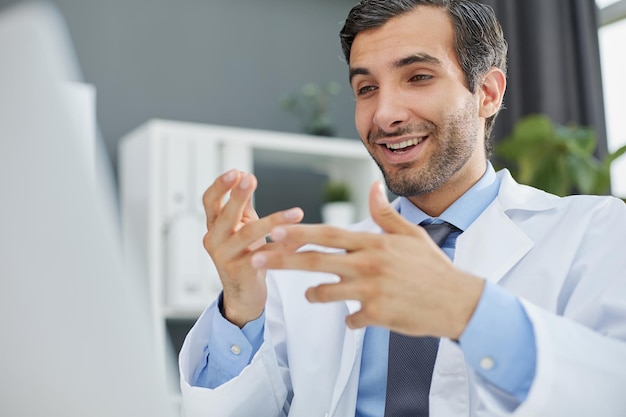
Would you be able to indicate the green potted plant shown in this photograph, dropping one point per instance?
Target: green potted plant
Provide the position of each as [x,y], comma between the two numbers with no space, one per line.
[311,104]
[557,159]
[338,208]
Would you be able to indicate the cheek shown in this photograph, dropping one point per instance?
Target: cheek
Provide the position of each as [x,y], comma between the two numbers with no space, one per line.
[362,120]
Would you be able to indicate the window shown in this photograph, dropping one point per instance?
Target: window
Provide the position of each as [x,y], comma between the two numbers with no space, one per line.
[612,34]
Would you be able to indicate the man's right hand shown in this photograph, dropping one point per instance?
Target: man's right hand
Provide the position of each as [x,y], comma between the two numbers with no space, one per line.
[234,233]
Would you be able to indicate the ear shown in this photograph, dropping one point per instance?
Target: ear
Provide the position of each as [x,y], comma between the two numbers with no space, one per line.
[491,92]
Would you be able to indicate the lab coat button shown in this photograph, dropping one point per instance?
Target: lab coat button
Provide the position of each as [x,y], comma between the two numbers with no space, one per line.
[235,349]
[487,363]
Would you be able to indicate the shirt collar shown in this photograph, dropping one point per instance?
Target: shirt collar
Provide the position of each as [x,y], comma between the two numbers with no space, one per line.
[465,209]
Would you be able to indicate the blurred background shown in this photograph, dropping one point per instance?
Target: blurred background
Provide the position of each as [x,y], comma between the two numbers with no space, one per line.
[229,62]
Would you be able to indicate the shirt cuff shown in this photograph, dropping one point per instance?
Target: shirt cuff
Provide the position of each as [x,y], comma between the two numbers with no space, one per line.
[499,342]
[232,348]
[229,349]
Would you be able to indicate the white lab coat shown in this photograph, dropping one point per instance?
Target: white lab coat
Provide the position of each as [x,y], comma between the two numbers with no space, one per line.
[563,257]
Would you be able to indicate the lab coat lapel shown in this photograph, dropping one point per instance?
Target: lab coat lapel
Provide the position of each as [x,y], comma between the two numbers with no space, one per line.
[350,359]
[494,243]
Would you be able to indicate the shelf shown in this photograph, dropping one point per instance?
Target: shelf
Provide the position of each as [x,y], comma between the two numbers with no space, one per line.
[165,167]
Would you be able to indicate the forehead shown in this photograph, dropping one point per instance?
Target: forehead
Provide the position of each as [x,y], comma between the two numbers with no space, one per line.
[424,30]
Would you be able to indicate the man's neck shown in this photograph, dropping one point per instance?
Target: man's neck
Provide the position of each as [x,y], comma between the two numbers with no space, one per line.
[437,201]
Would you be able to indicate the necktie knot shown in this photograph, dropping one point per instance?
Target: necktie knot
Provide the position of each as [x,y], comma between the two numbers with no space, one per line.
[439,232]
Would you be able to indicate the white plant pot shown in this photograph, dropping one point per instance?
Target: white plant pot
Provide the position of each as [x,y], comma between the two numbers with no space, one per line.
[339,214]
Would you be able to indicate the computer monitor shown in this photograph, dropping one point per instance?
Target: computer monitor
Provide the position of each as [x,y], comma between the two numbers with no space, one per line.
[75,327]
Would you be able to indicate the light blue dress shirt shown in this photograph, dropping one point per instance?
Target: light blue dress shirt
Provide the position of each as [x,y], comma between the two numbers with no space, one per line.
[498,330]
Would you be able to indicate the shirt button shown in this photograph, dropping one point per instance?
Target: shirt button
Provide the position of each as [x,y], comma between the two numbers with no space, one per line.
[487,363]
[235,349]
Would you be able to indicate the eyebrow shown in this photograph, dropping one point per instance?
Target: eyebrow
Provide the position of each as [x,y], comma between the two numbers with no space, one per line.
[402,62]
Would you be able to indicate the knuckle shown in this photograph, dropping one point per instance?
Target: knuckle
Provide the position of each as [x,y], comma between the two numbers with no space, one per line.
[381,243]
[207,241]
[315,260]
[215,250]
[369,266]
[212,209]
[208,197]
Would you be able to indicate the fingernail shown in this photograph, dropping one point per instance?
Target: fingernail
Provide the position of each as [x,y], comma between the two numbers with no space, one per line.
[278,233]
[293,213]
[245,182]
[258,260]
[230,176]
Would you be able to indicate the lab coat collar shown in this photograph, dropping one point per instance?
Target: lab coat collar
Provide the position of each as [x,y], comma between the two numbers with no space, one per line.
[522,197]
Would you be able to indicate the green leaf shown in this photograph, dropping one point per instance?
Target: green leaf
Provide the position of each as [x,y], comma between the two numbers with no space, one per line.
[613,156]
[558,159]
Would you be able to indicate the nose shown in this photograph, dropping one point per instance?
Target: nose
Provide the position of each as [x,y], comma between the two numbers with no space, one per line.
[390,111]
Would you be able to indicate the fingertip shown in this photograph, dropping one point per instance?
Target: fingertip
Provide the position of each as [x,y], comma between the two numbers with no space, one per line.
[293,214]
[246,181]
[310,295]
[378,201]
[379,193]
[352,321]
[230,176]
[278,233]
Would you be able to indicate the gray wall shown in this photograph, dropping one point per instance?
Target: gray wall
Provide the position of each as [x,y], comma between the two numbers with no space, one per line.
[211,61]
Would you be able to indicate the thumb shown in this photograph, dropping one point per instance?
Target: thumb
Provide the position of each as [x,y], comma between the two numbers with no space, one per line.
[383,214]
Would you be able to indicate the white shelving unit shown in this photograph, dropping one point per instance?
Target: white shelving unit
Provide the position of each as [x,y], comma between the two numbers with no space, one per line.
[165,166]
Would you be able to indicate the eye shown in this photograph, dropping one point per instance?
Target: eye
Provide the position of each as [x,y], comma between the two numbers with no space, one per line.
[420,78]
[364,90]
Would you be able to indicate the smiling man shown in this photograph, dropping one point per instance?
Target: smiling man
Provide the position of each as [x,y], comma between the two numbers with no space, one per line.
[414,111]
[469,295]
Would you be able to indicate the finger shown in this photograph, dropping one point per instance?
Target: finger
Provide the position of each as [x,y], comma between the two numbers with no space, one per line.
[213,197]
[249,213]
[244,240]
[279,247]
[314,261]
[259,230]
[322,235]
[327,293]
[231,215]
[385,215]
[359,320]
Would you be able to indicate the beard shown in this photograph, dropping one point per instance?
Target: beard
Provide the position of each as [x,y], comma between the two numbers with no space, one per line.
[453,143]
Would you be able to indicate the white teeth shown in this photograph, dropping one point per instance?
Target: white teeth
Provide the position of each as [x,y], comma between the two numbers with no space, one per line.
[404,144]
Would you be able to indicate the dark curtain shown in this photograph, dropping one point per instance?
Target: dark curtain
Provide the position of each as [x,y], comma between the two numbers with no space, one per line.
[554,64]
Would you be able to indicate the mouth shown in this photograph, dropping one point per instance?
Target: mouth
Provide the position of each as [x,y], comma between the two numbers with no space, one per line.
[402,150]
[405,145]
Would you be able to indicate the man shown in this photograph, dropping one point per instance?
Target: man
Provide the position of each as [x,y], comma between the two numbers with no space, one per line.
[524,295]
